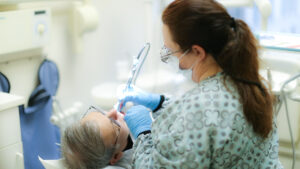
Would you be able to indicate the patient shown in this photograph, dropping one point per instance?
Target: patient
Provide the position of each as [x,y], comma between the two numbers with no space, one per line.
[96,141]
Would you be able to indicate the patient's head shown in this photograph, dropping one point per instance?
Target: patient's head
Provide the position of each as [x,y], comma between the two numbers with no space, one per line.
[95,141]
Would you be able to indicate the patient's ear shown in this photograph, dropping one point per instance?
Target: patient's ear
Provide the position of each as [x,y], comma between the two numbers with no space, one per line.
[116,158]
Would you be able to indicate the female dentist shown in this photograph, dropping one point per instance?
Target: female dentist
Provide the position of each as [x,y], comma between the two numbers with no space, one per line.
[226,121]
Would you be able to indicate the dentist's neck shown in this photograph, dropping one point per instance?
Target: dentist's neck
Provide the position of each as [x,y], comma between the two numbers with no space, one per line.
[205,68]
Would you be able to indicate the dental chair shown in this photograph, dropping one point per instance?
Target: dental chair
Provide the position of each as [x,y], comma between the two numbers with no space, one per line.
[59,164]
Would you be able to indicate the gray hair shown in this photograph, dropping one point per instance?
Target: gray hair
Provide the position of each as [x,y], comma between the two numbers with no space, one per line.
[83,148]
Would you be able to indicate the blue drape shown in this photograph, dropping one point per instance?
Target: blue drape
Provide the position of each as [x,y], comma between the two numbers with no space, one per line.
[4,83]
[39,136]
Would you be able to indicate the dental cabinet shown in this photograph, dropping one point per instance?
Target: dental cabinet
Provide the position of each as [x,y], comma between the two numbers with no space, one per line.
[10,133]
[24,33]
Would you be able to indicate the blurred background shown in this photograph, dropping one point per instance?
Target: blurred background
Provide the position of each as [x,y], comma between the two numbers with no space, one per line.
[93,43]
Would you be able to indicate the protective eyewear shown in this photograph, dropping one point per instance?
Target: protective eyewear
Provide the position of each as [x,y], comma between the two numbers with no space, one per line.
[166,53]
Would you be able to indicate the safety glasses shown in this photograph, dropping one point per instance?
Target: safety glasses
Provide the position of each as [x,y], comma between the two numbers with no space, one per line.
[115,124]
[166,53]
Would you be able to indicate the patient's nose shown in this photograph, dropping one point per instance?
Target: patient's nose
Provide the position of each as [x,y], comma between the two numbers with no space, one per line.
[112,114]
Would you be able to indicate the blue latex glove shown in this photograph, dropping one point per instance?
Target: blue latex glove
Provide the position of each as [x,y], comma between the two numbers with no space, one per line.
[138,120]
[138,96]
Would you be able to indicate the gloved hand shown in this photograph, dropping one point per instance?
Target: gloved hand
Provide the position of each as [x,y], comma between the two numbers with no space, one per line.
[138,120]
[138,96]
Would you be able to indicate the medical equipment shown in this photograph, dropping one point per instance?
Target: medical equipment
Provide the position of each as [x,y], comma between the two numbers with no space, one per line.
[137,65]
[284,84]
[85,18]
[283,95]
[138,62]
[23,30]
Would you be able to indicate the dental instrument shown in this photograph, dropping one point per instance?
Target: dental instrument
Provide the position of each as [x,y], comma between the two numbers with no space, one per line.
[137,65]
[138,62]
[283,95]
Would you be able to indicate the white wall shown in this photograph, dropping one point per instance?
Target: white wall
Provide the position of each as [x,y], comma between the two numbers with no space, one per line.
[124,27]
[120,35]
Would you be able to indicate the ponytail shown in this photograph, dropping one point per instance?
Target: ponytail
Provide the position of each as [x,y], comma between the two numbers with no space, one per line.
[239,60]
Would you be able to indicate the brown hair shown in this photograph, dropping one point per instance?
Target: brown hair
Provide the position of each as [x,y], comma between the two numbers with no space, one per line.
[207,23]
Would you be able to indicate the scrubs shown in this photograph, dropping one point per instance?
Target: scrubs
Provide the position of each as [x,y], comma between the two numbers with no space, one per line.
[205,128]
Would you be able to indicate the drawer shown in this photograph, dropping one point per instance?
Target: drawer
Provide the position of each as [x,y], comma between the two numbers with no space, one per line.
[9,158]
[9,127]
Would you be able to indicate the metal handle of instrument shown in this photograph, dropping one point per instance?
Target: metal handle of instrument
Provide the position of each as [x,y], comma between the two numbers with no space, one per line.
[141,57]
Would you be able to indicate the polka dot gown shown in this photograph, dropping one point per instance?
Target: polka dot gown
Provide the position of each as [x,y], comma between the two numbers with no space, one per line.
[205,128]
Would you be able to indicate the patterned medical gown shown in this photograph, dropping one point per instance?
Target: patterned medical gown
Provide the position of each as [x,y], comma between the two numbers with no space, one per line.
[205,128]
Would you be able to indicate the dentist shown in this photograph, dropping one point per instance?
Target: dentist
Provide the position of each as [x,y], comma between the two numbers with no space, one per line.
[227,120]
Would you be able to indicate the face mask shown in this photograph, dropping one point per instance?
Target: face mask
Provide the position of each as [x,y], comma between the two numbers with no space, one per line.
[187,73]
[174,63]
